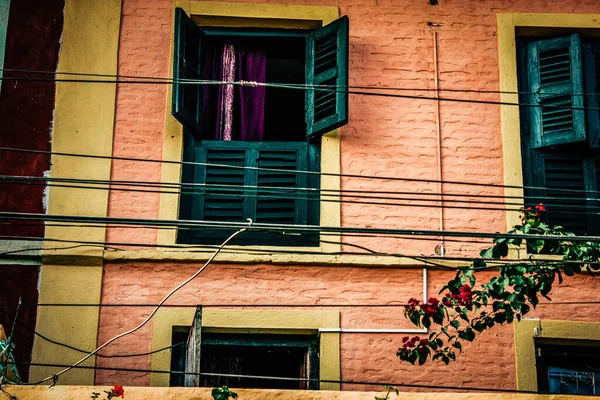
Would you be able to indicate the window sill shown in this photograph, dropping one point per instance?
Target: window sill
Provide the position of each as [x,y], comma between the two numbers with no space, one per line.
[242,255]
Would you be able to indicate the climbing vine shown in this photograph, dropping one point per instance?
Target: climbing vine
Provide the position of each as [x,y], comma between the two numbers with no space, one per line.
[467,309]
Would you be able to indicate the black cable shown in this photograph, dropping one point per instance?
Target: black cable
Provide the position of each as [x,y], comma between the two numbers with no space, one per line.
[317,86]
[237,191]
[353,235]
[297,87]
[345,382]
[432,261]
[29,329]
[262,305]
[224,225]
[355,176]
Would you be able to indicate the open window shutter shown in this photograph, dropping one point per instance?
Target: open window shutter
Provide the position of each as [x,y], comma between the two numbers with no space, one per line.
[567,183]
[591,62]
[327,64]
[187,58]
[556,83]
[280,198]
[192,357]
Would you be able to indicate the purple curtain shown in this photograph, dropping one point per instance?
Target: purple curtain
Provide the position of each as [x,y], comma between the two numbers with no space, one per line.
[248,102]
[251,66]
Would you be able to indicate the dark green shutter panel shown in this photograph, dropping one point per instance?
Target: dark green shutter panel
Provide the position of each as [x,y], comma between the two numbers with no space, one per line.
[556,83]
[327,64]
[591,68]
[565,207]
[281,199]
[186,65]
[223,186]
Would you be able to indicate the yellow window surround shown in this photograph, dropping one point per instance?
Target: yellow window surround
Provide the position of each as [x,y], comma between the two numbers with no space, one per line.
[528,330]
[250,321]
[509,25]
[256,15]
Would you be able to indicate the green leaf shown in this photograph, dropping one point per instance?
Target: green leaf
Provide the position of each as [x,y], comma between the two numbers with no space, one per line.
[455,323]
[426,322]
[457,345]
[487,253]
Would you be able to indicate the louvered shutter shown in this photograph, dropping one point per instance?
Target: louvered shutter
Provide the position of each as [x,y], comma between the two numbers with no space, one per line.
[187,57]
[194,345]
[591,68]
[556,83]
[262,185]
[569,184]
[327,64]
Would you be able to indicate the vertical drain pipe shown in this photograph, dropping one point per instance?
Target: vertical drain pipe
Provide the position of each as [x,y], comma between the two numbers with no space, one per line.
[438,129]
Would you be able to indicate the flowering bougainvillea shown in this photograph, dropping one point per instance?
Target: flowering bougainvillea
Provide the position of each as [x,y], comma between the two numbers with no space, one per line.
[116,391]
[467,309]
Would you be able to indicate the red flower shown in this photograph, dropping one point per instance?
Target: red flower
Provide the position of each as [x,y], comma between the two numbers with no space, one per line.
[405,339]
[431,307]
[118,391]
[540,207]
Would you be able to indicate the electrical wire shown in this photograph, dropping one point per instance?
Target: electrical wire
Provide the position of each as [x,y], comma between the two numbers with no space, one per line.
[434,262]
[262,192]
[297,87]
[226,225]
[53,377]
[278,378]
[295,171]
[117,76]
[47,339]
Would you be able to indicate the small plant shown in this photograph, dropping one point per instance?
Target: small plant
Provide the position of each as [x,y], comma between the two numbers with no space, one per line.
[466,310]
[389,390]
[116,391]
[223,393]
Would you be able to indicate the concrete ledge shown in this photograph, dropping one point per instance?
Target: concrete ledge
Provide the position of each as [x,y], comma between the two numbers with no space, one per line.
[155,393]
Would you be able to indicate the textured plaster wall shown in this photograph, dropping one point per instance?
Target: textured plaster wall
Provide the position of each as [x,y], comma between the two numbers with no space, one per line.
[390,45]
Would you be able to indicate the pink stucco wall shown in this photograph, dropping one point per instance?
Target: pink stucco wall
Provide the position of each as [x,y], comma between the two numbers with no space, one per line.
[390,45]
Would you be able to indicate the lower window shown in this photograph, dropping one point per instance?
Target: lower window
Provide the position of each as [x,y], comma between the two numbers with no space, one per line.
[269,355]
[568,369]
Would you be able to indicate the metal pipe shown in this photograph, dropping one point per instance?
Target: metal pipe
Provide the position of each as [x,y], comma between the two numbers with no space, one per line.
[382,330]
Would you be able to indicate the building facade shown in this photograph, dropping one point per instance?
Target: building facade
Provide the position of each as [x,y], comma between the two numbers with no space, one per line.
[341,186]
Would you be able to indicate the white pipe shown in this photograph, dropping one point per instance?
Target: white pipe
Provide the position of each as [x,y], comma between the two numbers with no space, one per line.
[382,330]
[438,131]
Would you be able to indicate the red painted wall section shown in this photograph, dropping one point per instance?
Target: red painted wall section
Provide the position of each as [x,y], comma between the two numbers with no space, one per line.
[391,45]
[20,281]
[26,107]
[139,120]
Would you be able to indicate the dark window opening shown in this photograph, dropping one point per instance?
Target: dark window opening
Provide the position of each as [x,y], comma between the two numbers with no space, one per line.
[568,369]
[283,107]
[559,82]
[268,355]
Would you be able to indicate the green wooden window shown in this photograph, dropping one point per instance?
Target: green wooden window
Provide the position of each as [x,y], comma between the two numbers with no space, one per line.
[235,179]
[559,80]
[326,63]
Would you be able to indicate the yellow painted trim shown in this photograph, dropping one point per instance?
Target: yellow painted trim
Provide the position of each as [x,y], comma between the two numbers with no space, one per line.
[266,321]
[179,393]
[83,123]
[297,259]
[236,14]
[507,62]
[528,330]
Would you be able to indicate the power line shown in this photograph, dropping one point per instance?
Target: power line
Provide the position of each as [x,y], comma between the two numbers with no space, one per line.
[226,225]
[118,76]
[295,171]
[433,262]
[296,87]
[275,192]
[29,329]
[279,378]
[55,376]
